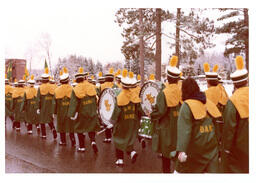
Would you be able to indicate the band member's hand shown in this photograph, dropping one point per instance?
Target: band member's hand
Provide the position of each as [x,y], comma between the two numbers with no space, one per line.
[38,111]
[182,157]
[74,118]
[227,151]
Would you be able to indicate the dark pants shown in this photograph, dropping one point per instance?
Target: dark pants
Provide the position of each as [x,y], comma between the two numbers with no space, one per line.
[71,136]
[108,133]
[16,124]
[81,138]
[51,125]
[120,154]
[167,165]
[29,127]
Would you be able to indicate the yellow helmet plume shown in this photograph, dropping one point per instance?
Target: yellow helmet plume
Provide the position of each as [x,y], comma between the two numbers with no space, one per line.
[65,70]
[32,77]
[173,61]
[81,70]
[111,70]
[215,68]
[181,74]
[125,72]
[206,67]
[239,63]
[138,77]
[61,72]
[5,76]
[24,77]
[130,74]
[100,74]
[46,70]
[15,80]
[152,77]
[92,77]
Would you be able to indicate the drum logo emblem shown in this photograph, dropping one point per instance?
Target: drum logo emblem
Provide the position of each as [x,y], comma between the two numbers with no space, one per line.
[107,105]
[150,98]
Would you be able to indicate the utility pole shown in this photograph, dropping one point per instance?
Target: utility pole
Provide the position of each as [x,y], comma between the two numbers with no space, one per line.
[178,36]
[158,44]
[141,45]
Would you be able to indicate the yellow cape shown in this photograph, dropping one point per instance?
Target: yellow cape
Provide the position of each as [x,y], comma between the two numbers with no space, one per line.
[172,94]
[31,92]
[18,92]
[8,89]
[47,88]
[213,93]
[224,96]
[83,89]
[106,85]
[126,96]
[199,110]
[62,91]
[240,99]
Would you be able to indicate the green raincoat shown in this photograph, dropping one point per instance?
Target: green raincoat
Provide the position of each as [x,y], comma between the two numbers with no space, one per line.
[8,100]
[17,96]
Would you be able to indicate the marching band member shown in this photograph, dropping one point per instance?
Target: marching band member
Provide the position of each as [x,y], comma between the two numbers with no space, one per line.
[29,105]
[217,94]
[101,80]
[8,100]
[118,78]
[126,116]
[61,103]
[236,124]
[164,117]
[83,109]
[17,97]
[45,95]
[197,145]
[109,83]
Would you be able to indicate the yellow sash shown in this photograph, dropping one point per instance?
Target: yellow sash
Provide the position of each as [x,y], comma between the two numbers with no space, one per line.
[126,96]
[240,99]
[31,92]
[199,110]
[172,94]
[62,91]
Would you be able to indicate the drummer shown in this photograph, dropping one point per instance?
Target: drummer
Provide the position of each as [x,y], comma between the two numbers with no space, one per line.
[83,109]
[126,117]
[109,83]
[60,107]
[165,116]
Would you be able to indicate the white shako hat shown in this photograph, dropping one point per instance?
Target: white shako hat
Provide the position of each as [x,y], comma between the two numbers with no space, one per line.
[64,76]
[118,75]
[31,80]
[172,70]
[128,80]
[100,77]
[241,74]
[80,73]
[45,75]
[22,81]
[138,78]
[211,75]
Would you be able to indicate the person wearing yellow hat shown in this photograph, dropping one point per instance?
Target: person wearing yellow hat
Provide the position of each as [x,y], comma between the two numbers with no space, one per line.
[8,100]
[197,145]
[29,105]
[61,102]
[17,97]
[217,94]
[126,117]
[45,95]
[109,83]
[235,156]
[118,78]
[164,117]
[83,109]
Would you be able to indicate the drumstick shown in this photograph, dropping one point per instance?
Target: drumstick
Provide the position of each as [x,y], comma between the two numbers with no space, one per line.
[100,132]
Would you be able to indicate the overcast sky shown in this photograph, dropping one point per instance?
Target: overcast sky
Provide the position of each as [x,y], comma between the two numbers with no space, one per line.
[74,28]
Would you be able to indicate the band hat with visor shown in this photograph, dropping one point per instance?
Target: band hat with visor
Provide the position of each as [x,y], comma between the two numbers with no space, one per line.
[80,73]
[128,81]
[64,76]
[110,73]
[45,75]
[241,74]
[32,80]
[172,70]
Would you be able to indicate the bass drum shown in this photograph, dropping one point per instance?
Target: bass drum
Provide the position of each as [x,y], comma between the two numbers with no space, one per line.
[106,105]
[148,95]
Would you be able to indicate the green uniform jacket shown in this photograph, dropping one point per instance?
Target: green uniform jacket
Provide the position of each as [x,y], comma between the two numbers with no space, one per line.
[29,108]
[236,140]
[64,123]
[45,106]
[198,140]
[164,136]
[87,120]
[126,125]
[8,104]
[18,116]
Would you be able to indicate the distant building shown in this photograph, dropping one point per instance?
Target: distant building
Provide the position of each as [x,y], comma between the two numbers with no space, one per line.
[18,68]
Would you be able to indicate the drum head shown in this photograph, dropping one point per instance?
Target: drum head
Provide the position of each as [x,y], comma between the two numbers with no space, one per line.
[106,105]
[148,95]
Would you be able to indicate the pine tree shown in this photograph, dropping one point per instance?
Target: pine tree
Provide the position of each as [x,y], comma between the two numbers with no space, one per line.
[237,24]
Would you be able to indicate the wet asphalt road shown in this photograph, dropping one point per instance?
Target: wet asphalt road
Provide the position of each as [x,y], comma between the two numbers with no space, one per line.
[30,154]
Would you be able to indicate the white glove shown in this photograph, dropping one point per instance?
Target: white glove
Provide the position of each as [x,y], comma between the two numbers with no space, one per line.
[53,116]
[226,151]
[182,157]
[109,126]
[38,111]
[74,118]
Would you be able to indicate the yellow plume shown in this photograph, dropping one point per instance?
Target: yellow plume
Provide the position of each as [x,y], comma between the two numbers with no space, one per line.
[81,70]
[65,70]
[15,80]
[92,77]
[61,72]
[152,77]
[239,63]
[111,70]
[173,61]
[138,77]
[215,68]
[100,74]
[206,67]
[74,80]
[32,77]
[125,72]
[24,77]
[46,70]
[130,74]
[181,74]
[118,72]
[5,76]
